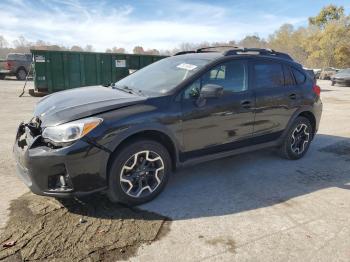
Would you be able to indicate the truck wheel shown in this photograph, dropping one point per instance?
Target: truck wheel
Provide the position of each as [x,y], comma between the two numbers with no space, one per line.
[333,83]
[21,74]
[138,172]
[297,141]
[2,76]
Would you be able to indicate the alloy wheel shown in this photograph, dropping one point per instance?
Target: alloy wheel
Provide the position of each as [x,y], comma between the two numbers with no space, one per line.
[142,173]
[300,139]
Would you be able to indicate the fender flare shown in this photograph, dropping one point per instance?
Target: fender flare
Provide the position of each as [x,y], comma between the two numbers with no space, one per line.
[133,130]
[303,109]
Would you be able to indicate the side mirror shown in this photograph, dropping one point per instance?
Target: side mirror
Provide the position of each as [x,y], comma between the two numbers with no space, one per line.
[211,91]
[107,84]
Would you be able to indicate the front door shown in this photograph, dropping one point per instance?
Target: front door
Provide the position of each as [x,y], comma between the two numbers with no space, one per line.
[220,123]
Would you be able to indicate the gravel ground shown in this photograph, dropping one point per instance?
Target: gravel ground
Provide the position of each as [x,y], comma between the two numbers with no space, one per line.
[250,207]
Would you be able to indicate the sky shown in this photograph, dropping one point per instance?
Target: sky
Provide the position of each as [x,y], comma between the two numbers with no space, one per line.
[160,24]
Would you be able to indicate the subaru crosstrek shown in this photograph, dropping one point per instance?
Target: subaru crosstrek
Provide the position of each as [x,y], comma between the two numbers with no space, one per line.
[126,139]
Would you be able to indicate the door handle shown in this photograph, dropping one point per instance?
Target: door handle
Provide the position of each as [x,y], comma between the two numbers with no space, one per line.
[293,96]
[246,104]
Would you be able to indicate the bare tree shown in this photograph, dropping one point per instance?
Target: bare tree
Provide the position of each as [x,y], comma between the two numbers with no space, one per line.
[22,45]
[152,52]
[118,50]
[3,42]
[89,48]
[138,50]
[76,48]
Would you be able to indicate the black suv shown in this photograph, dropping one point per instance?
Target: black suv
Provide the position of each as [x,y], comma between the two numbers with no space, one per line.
[126,139]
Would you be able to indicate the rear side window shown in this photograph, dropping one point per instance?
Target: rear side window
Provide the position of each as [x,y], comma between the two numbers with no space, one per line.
[299,76]
[267,75]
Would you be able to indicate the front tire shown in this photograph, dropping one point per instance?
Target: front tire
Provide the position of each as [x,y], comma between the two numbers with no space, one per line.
[139,172]
[298,139]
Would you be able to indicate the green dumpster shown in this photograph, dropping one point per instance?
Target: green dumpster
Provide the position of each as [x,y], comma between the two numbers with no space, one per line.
[60,70]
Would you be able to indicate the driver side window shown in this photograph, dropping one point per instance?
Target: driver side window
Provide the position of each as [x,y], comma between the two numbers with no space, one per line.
[232,76]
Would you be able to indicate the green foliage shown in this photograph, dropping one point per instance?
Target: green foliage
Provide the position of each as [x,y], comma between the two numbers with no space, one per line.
[325,42]
[327,14]
[253,41]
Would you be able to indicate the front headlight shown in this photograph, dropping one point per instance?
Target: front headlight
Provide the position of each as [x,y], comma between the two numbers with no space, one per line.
[71,131]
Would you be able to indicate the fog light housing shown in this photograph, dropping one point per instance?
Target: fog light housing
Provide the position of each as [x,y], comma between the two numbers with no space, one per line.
[61,183]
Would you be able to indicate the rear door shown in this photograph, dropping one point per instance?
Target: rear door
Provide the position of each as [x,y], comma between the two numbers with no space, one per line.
[277,97]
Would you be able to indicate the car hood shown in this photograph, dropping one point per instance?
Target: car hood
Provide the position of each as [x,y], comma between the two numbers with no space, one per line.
[65,106]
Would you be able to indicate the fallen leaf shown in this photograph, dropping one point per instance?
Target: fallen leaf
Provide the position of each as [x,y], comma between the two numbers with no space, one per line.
[9,244]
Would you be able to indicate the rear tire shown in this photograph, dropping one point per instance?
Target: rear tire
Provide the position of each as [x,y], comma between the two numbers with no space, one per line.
[21,74]
[298,139]
[2,76]
[333,83]
[139,172]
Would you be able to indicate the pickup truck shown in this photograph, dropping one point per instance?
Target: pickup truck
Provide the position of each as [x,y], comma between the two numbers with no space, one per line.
[15,64]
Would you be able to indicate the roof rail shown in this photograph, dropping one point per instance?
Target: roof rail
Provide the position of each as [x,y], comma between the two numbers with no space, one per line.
[260,51]
[205,49]
[185,52]
[234,50]
[202,50]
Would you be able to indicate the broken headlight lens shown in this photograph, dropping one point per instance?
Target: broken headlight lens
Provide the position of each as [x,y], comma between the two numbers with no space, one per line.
[71,131]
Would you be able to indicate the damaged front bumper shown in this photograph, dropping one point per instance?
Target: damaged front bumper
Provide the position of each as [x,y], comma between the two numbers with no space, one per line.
[75,170]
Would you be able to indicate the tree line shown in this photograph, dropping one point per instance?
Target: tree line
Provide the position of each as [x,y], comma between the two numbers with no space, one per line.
[324,42]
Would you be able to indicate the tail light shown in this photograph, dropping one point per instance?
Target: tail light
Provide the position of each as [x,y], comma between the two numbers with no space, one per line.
[8,65]
[317,90]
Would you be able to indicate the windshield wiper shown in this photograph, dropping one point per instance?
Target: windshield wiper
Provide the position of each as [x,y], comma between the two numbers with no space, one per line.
[128,90]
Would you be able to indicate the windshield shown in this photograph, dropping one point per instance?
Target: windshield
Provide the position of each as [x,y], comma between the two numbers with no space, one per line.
[162,76]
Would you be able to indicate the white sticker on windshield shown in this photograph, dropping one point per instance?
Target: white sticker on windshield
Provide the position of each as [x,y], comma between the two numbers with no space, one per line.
[186,66]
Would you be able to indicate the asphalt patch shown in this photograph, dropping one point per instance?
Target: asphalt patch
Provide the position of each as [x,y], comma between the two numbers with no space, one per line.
[92,229]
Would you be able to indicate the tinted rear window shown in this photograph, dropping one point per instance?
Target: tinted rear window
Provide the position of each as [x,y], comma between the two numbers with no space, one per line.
[268,75]
[299,76]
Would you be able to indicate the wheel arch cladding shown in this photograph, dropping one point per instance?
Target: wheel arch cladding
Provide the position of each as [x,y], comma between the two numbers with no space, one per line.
[154,135]
[310,116]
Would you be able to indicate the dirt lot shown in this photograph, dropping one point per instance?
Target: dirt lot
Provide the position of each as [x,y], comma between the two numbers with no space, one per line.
[250,207]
